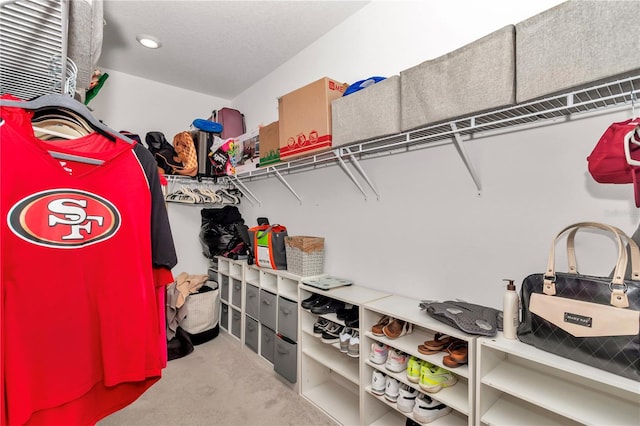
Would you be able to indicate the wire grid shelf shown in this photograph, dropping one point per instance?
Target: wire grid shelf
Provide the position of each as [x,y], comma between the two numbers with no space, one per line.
[617,93]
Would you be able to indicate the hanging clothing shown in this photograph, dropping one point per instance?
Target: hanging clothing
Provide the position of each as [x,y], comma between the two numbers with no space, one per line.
[85,251]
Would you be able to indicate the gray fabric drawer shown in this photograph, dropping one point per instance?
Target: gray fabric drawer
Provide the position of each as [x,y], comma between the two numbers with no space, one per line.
[574,44]
[251,333]
[368,113]
[288,318]
[267,343]
[268,309]
[224,288]
[236,322]
[285,360]
[252,301]
[236,293]
[224,316]
[474,78]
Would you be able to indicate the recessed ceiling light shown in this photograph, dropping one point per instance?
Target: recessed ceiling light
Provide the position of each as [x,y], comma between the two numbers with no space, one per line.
[148,41]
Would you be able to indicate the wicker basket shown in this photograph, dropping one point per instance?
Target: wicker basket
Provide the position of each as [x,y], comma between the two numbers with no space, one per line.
[305,255]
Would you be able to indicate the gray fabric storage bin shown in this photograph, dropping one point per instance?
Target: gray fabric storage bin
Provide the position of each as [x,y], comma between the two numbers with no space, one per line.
[236,322]
[236,293]
[288,318]
[474,78]
[574,44]
[267,343]
[224,288]
[368,113]
[224,316]
[252,301]
[285,361]
[251,333]
[268,309]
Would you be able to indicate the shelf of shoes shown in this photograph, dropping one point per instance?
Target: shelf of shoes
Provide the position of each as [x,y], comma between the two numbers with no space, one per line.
[330,378]
[411,328]
[519,384]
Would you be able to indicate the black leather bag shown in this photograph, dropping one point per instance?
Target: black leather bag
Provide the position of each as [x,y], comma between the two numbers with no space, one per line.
[589,319]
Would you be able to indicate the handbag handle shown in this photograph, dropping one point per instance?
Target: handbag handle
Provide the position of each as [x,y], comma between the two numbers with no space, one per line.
[617,286]
[633,250]
[260,234]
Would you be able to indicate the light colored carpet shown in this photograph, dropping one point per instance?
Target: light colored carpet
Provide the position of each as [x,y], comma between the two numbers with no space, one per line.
[219,383]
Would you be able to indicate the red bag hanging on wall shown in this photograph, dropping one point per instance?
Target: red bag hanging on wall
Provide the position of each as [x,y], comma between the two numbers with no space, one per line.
[616,156]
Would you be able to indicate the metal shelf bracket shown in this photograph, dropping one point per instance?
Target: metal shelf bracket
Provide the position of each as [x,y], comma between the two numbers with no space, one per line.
[348,172]
[285,183]
[457,140]
[243,188]
[357,165]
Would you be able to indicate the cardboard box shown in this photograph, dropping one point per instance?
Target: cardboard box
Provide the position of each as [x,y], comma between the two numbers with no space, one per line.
[305,118]
[368,113]
[269,144]
[574,44]
[474,78]
[246,152]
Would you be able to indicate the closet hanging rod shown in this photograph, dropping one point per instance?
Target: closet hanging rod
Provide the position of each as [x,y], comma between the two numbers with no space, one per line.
[62,101]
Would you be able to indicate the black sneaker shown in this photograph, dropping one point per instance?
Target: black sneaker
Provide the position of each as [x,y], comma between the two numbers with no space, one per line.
[320,326]
[311,301]
[343,313]
[351,320]
[331,334]
[331,306]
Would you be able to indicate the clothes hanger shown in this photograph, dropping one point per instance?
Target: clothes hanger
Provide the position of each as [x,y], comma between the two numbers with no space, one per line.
[68,103]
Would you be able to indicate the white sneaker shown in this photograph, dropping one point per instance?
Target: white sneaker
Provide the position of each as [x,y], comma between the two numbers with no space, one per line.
[392,389]
[345,336]
[396,361]
[407,398]
[378,382]
[354,345]
[427,410]
[378,354]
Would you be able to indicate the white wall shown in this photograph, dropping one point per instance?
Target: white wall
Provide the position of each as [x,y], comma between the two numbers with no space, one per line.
[127,102]
[430,235]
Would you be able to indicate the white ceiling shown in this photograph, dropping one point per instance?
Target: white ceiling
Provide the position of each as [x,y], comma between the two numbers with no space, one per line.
[219,48]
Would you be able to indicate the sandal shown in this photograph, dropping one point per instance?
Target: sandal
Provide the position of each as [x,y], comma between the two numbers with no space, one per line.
[458,355]
[439,342]
[376,329]
[426,351]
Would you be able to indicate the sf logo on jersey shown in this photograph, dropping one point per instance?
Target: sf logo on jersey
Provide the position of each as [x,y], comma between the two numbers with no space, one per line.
[64,218]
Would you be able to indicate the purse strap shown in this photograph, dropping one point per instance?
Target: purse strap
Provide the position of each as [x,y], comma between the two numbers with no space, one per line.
[617,286]
[634,251]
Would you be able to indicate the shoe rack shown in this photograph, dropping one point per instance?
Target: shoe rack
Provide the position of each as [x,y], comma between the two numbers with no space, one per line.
[519,384]
[377,410]
[331,379]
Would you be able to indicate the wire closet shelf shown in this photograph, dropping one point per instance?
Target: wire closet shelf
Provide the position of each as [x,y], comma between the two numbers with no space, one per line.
[613,94]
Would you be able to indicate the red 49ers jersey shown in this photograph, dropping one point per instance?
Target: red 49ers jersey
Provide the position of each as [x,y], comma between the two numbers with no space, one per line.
[80,329]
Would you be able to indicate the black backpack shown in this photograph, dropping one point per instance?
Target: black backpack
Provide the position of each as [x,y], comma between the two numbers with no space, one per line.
[162,151]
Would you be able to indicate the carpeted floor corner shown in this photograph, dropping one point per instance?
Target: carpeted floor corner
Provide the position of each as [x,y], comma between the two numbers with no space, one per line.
[219,383]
